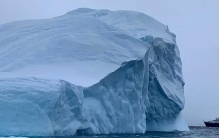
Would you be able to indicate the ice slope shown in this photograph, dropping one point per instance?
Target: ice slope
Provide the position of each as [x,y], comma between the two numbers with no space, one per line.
[124,70]
[66,44]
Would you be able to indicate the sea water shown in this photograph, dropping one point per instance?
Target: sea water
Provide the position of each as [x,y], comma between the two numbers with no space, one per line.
[195,132]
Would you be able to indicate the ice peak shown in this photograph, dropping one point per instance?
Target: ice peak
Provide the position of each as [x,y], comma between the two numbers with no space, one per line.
[81,10]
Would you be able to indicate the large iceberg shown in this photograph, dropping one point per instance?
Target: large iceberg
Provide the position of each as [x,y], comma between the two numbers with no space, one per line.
[90,72]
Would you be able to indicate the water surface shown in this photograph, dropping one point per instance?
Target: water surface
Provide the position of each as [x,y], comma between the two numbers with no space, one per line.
[195,132]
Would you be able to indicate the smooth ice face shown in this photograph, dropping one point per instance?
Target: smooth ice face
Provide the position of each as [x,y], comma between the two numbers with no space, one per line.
[25,105]
[120,72]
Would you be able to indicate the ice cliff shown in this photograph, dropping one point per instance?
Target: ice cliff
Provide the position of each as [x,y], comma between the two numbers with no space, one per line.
[119,71]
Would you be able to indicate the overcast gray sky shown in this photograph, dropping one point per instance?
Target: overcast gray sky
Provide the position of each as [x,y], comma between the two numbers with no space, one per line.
[195,23]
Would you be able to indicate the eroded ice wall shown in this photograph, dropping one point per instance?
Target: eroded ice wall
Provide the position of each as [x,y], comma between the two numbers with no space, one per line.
[114,105]
[166,88]
[141,95]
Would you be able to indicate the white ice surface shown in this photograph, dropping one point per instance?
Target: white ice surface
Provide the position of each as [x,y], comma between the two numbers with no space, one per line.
[65,44]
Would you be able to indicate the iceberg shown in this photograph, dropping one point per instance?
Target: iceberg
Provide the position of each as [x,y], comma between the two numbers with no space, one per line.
[90,72]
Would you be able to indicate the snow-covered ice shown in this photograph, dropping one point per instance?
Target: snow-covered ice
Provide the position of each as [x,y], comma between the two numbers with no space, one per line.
[90,71]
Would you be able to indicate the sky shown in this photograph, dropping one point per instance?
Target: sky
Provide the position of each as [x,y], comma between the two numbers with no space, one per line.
[195,23]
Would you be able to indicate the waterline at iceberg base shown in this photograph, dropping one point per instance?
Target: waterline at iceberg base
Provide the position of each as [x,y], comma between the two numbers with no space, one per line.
[143,93]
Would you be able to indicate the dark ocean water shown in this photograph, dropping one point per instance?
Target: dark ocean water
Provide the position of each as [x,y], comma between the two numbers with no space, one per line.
[195,132]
